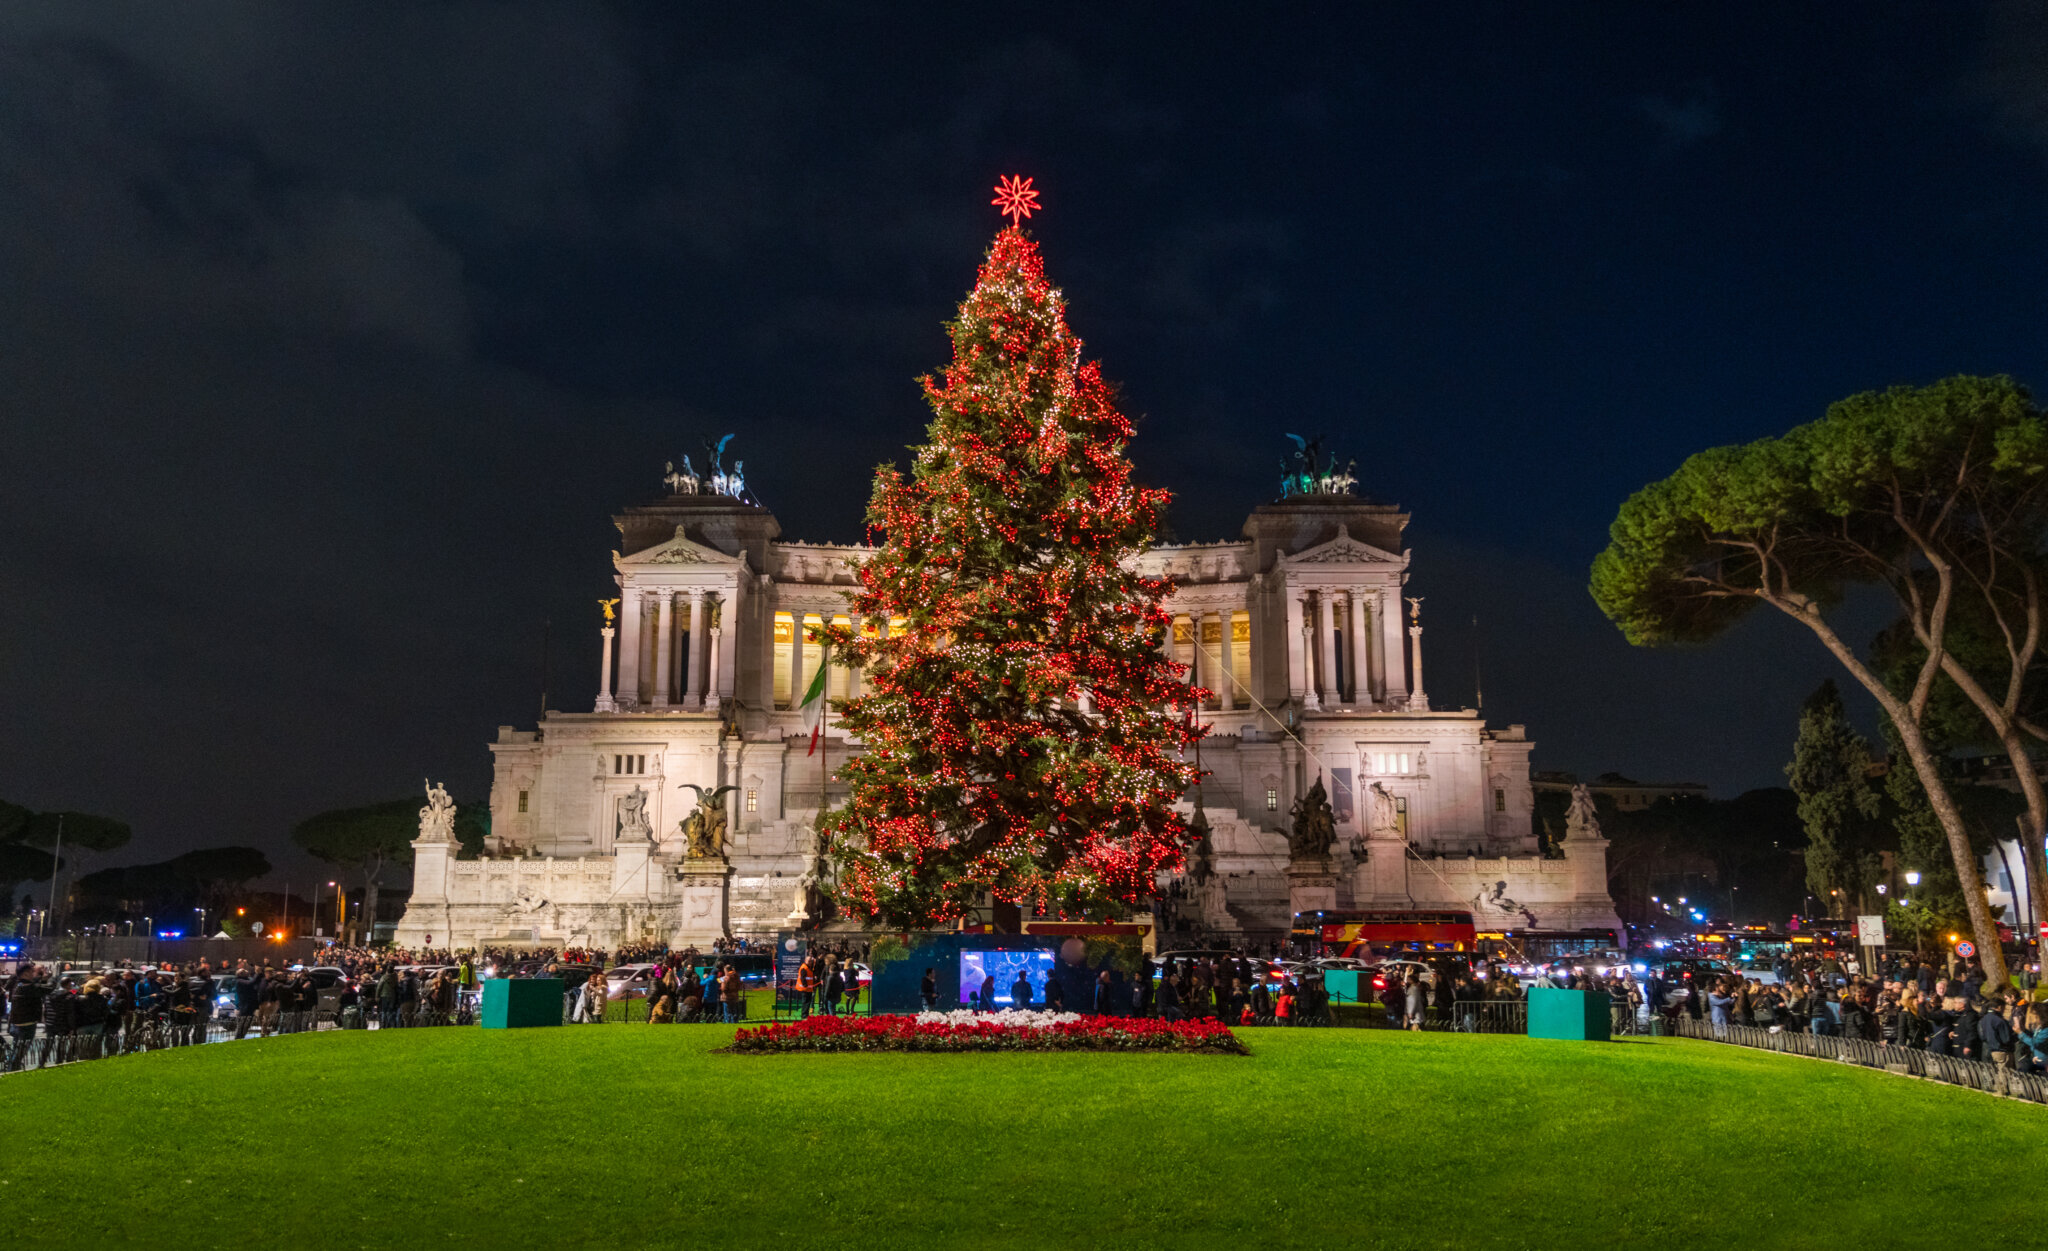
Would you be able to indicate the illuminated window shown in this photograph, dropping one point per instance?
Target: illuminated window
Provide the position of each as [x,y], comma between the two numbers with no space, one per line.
[785,633]
[1240,658]
[1272,799]
[522,801]
[753,799]
[1401,814]
[1391,762]
[840,684]
[1500,800]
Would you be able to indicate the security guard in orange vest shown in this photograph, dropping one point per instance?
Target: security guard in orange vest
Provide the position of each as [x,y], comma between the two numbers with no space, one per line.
[806,985]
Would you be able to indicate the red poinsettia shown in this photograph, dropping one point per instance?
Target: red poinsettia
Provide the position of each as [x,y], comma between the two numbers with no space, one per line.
[907,1033]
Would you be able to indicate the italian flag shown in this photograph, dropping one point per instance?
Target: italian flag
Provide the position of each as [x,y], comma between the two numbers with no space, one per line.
[814,702]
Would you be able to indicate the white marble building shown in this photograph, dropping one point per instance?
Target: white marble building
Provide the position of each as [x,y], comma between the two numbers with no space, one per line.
[1297,628]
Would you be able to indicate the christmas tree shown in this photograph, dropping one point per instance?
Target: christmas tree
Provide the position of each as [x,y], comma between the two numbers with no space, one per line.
[1024,732]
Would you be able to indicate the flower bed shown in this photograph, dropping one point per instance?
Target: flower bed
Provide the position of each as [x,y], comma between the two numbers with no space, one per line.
[1003,1031]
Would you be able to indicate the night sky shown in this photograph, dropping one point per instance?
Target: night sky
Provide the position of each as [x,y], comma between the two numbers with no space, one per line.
[331,336]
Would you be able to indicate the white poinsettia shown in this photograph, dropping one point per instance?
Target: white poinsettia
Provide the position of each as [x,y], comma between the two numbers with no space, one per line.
[1008,1016]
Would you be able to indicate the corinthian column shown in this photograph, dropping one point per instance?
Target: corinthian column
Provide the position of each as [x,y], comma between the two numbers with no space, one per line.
[725,639]
[631,626]
[797,689]
[665,649]
[1416,698]
[1216,664]
[1359,671]
[604,675]
[1326,634]
[1299,688]
[695,682]
[1393,665]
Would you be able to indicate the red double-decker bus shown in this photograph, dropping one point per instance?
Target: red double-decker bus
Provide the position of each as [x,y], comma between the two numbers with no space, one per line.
[1369,935]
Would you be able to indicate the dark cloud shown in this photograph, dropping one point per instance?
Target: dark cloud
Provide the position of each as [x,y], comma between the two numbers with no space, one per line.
[332,334]
[1680,122]
[2011,77]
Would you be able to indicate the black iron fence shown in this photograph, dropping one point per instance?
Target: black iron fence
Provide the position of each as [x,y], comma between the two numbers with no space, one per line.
[1470,1016]
[1906,1061]
[36,1049]
[31,1047]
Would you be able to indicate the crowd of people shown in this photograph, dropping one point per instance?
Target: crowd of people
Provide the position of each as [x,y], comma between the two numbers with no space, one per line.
[684,987]
[1914,1008]
[827,981]
[1240,990]
[1904,1002]
[126,1009]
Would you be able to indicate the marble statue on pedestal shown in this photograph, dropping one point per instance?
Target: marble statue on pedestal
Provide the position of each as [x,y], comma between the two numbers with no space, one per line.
[1582,820]
[1315,824]
[704,829]
[633,824]
[1382,817]
[437,819]
[813,904]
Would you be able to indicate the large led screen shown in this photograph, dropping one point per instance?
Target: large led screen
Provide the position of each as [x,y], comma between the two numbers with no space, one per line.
[1004,966]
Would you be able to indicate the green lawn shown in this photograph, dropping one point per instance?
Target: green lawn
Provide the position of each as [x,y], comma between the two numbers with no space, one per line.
[637,1136]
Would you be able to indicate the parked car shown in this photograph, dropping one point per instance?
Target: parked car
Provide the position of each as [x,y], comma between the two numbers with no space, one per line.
[630,981]
[1437,969]
[225,1005]
[1346,964]
[1190,954]
[755,969]
[1758,969]
[1686,974]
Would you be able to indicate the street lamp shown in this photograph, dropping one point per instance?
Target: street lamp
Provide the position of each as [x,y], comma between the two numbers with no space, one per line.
[1913,877]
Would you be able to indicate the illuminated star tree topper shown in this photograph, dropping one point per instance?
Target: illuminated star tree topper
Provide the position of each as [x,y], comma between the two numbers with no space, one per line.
[1016,198]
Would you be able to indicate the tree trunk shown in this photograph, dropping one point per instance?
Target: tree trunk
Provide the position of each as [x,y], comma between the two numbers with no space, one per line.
[2033,863]
[1982,926]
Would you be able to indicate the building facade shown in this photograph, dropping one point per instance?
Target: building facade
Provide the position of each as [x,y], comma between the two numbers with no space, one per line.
[1297,629]
[1625,793]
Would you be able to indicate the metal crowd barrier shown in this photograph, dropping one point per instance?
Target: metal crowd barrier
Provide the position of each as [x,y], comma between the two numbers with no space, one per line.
[139,1034]
[1908,1061]
[1471,1016]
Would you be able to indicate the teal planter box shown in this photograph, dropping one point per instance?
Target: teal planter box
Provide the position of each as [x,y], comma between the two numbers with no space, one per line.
[1581,1015]
[522,1002]
[1348,986]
